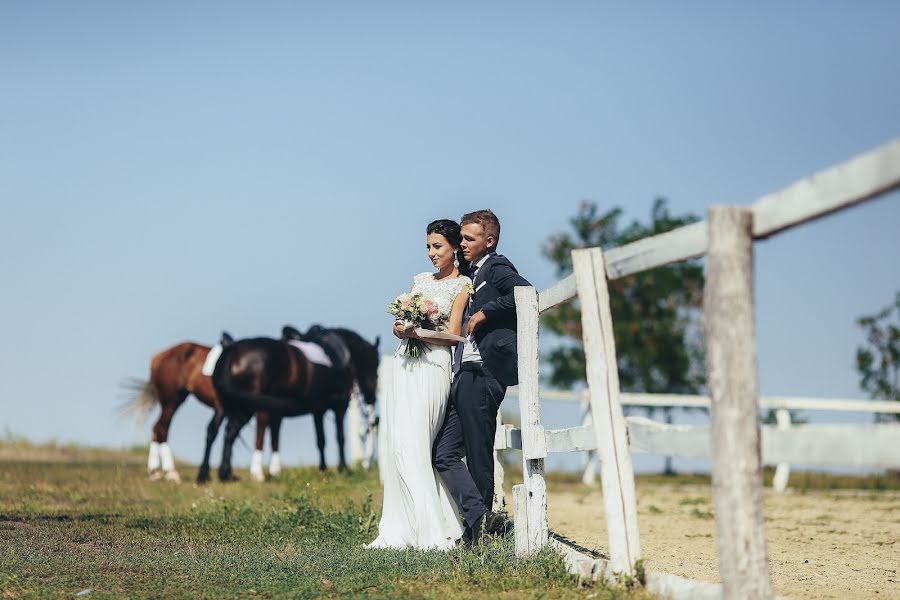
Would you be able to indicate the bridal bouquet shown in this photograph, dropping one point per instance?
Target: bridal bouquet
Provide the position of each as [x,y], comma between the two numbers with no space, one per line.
[417,311]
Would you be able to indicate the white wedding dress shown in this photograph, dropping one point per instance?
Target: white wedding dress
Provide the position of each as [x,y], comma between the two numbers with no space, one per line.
[418,511]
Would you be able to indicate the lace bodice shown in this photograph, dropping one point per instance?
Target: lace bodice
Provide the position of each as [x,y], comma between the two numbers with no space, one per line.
[442,291]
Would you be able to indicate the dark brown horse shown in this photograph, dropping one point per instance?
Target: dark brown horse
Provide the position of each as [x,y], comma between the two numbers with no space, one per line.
[274,376]
[175,373]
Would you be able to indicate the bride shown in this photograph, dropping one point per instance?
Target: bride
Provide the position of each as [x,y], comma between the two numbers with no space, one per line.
[418,511]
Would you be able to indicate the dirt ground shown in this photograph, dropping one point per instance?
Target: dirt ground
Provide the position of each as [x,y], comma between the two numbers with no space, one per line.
[822,544]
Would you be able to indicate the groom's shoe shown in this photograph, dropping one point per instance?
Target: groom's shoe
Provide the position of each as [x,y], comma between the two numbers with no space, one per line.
[486,528]
[494,523]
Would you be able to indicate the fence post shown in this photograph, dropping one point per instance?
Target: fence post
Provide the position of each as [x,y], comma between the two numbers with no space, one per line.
[616,471]
[783,469]
[589,458]
[371,446]
[385,389]
[520,510]
[499,504]
[534,446]
[731,371]
[355,430]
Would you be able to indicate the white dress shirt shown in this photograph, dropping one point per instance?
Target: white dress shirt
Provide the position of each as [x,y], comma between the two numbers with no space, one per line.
[470,350]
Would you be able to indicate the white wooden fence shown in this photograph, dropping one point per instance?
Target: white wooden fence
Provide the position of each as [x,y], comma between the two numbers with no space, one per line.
[853,445]
[734,439]
[856,445]
[362,431]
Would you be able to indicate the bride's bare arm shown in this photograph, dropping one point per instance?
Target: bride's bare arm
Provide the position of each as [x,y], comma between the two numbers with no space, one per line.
[454,325]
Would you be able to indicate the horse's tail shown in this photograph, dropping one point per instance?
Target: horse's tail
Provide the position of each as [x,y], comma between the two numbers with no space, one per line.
[144,396]
[224,383]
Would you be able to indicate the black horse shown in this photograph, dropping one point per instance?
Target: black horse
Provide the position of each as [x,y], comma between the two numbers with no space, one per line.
[264,372]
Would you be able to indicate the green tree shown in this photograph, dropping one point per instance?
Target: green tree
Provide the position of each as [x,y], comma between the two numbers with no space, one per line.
[878,360]
[656,314]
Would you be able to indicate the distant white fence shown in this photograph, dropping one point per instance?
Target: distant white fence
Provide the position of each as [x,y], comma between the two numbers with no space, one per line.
[735,440]
[362,430]
[852,445]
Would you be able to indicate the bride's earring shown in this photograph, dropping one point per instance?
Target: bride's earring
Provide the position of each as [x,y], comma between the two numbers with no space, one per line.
[456,262]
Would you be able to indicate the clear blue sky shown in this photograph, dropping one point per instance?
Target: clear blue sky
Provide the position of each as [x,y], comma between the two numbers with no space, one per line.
[168,170]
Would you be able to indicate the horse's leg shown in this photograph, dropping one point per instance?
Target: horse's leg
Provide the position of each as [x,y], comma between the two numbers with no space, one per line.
[212,430]
[256,470]
[320,438]
[160,452]
[339,411]
[274,437]
[236,421]
[153,461]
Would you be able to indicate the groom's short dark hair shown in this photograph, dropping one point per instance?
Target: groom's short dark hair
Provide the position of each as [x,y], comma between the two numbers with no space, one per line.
[487,219]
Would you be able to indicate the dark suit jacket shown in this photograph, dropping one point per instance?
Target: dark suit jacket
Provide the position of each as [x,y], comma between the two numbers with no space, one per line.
[496,337]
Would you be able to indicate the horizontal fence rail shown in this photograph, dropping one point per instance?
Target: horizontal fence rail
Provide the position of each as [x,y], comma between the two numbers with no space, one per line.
[861,178]
[855,445]
[765,402]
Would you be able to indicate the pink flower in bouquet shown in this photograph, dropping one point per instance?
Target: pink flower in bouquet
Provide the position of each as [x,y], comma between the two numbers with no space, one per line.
[431,310]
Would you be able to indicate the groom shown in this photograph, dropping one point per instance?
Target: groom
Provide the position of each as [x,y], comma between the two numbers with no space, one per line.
[484,366]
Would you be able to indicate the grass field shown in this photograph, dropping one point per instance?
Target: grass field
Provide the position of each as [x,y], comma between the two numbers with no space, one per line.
[75,519]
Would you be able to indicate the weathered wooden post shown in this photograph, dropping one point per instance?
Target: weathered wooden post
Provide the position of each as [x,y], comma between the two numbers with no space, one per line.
[531,532]
[783,469]
[590,458]
[371,436]
[616,471]
[499,504]
[385,389]
[356,431]
[731,372]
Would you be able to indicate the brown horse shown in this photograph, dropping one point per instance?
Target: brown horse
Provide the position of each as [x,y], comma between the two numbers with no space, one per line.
[175,373]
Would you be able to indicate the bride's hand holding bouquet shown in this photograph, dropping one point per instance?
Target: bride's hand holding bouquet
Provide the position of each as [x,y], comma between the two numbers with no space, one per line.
[421,317]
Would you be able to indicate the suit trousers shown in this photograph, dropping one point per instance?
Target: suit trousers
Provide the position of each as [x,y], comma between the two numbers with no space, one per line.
[468,431]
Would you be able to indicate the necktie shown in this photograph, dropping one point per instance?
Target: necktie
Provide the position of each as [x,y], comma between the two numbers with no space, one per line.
[458,352]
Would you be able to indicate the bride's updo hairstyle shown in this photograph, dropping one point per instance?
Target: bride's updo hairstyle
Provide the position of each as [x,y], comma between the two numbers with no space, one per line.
[451,230]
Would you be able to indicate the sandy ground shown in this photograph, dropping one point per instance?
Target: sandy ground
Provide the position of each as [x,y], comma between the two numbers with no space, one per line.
[822,544]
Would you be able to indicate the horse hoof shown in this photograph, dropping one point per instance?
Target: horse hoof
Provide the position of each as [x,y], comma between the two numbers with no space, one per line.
[228,477]
[173,476]
[155,475]
[257,476]
[203,477]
